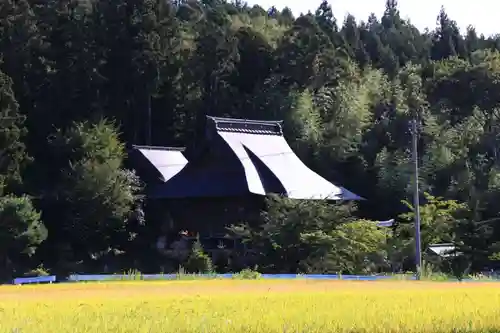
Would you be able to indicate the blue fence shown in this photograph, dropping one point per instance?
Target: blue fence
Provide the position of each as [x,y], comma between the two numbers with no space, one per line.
[160,277]
[38,279]
[81,278]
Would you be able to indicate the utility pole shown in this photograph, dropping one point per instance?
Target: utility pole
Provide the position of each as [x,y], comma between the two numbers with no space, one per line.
[416,199]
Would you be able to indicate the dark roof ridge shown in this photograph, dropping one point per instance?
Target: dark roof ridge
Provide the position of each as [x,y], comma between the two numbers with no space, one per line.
[181,149]
[247,125]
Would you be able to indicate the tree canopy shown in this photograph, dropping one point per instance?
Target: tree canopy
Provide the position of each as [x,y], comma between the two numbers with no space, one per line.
[82,80]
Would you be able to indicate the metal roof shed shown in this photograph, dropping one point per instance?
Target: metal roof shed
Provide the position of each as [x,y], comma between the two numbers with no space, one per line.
[443,250]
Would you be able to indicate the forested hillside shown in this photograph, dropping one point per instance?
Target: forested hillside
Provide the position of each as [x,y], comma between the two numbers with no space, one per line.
[80,80]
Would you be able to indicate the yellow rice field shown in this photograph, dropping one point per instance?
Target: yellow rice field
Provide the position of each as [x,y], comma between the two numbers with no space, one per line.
[251,306]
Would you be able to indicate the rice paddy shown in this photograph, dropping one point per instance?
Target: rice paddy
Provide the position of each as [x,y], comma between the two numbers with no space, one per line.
[251,306]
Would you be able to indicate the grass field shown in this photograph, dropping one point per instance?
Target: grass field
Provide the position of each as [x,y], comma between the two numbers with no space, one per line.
[251,306]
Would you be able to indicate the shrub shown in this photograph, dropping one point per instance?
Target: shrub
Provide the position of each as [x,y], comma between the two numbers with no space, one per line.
[39,271]
[198,261]
[247,274]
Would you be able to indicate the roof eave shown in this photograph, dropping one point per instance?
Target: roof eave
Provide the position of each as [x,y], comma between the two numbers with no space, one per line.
[181,149]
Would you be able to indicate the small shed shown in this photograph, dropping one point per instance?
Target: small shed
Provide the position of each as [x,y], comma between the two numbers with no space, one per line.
[443,250]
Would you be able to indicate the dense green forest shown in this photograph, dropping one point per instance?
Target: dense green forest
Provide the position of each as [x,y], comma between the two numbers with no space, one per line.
[81,80]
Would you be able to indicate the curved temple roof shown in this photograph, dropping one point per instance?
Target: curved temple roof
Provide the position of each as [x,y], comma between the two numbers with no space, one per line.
[296,179]
[245,156]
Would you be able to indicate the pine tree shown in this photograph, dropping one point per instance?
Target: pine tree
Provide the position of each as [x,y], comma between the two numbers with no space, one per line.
[13,156]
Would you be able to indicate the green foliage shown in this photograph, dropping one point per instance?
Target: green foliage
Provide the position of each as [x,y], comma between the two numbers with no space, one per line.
[439,220]
[21,232]
[96,197]
[132,275]
[346,91]
[198,261]
[361,247]
[305,120]
[12,131]
[247,274]
[346,111]
[429,272]
[39,271]
[314,237]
